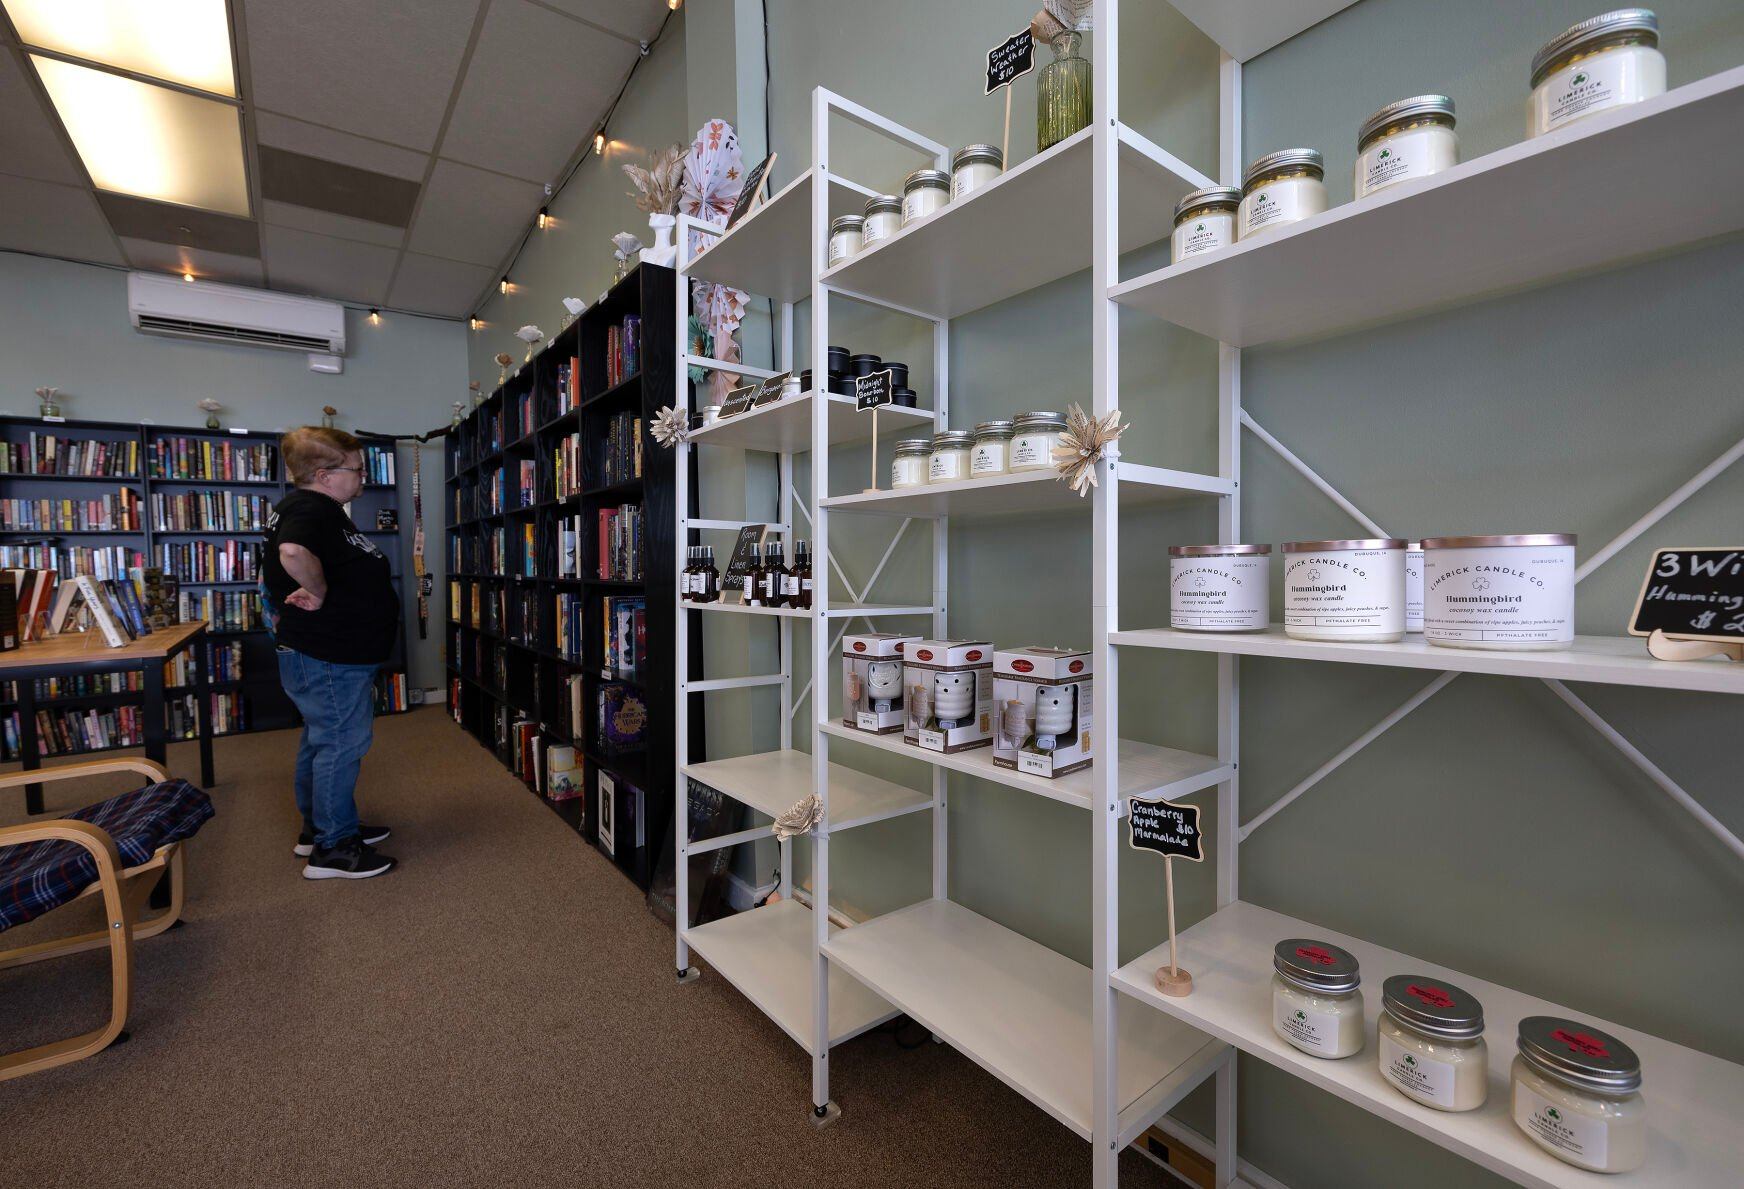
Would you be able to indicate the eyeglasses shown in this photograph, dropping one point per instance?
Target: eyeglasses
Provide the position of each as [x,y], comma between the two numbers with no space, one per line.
[356,470]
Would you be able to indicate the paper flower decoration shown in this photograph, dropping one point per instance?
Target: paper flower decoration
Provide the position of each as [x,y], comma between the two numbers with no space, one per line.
[671,426]
[805,816]
[1086,439]
[503,360]
[713,175]
[529,334]
[574,305]
[211,408]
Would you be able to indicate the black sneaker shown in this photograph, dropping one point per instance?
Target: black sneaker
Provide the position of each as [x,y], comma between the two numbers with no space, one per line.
[351,859]
[372,836]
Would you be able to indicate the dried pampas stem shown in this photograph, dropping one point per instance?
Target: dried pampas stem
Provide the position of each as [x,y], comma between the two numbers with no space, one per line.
[671,426]
[1086,439]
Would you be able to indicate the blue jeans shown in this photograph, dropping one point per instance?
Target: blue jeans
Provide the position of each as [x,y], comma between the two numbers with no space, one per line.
[338,707]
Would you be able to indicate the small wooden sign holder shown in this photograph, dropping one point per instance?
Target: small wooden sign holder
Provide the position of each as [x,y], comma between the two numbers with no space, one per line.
[1171,830]
[1666,648]
[1008,61]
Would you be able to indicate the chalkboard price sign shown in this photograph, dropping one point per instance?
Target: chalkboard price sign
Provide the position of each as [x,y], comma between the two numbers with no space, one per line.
[1010,59]
[769,390]
[1692,594]
[738,400]
[744,556]
[748,192]
[1167,829]
[876,389]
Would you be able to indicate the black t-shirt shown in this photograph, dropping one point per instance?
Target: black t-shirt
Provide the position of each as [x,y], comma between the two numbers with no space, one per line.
[357,622]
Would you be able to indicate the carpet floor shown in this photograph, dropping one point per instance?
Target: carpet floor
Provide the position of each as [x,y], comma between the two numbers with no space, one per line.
[500,1010]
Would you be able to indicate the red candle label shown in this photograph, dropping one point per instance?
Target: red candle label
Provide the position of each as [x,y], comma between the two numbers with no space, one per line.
[1580,1042]
[1315,955]
[1433,996]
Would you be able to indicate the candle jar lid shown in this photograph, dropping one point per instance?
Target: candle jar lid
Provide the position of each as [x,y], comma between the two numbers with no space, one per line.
[847,223]
[938,179]
[950,439]
[1039,419]
[1559,49]
[1342,546]
[920,446]
[1316,966]
[1505,541]
[1283,161]
[978,152]
[1436,109]
[993,429]
[1579,1055]
[1213,197]
[1432,1008]
[1219,550]
[888,204]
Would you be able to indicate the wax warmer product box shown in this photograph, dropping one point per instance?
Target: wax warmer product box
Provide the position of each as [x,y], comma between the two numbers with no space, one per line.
[1043,700]
[949,693]
[872,681]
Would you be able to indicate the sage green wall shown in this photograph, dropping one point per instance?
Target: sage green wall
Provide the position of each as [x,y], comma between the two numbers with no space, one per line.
[66,324]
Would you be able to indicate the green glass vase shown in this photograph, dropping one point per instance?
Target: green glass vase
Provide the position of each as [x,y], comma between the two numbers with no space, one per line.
[1062,92]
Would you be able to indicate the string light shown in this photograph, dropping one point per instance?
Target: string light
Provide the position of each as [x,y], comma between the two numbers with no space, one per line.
[188,277]
[474,323]
[504,287]
[544,218]
[673,4]
[599,143]
[374,316]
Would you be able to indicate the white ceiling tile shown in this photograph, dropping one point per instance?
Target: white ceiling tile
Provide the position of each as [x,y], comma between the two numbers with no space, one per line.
[314,141]
[639,19]
[470,215]
[537,84]
[54,220]
[433,286]
[208,266]
[320,265]
[30,145]
[303,218]
[383,69]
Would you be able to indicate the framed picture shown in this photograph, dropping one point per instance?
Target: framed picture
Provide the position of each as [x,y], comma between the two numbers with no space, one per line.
[608,807]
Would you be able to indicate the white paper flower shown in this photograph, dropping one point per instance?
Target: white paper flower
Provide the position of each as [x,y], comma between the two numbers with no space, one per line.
[529,334]
[211,406]
[574,305]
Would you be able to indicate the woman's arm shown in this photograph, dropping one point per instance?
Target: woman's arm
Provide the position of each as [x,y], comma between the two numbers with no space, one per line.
[311,579]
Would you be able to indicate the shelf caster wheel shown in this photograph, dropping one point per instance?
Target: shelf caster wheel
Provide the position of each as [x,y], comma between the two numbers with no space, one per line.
[823,1116]
[121,1038]
[689,975]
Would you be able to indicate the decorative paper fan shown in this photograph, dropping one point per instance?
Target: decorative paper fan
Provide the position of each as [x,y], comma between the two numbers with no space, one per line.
[713,175]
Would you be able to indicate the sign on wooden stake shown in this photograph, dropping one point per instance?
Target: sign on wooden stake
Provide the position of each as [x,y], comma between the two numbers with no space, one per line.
[1170,830]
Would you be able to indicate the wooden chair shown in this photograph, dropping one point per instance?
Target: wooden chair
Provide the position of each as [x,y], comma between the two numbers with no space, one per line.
[124,891]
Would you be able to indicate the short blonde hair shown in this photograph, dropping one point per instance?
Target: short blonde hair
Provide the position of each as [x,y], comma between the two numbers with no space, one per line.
[310,448]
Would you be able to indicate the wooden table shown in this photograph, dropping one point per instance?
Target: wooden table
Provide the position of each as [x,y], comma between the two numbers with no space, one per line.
[74,653]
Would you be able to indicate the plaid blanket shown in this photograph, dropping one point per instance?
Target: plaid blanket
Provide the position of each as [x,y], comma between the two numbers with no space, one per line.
[38,876]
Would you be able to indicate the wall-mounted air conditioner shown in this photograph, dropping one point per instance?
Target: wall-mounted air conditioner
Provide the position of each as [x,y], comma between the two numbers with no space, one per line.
[168,305]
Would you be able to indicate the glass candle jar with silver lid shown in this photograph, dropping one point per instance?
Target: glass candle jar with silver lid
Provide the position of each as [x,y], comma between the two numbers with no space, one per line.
[1345,590]
[1204,222]
[1604,62]
[1505,593]
[1577,1095]
[1431,1041]
[1279,189]
[1316,1002]
[882,220]
[1220,588]
[974,166]
[1412,138]
[1414,587]
[913,459]
[991,454]
[923,192]
[950,456]
[846,237]
[1034,436]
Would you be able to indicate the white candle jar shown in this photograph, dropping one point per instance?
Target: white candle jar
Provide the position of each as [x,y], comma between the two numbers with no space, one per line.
[1204,222]
[923,192]
[1034,436]
[1220,588]
[1412,138]
[973,167]
[1316,1004]
[1577,1095]
[1509,593]
[846,237]
[913,457]
[1279,189]
[882,220]
[991,454]
[1605,62]
[950,456]
[1345,590]
[1431,1042]
[1414,587]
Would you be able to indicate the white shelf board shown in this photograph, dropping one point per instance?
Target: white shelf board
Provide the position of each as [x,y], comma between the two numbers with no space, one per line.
[784,426]
[1030,226]
[1145,770]
[844,611]
[766,954]
[1612,660]
[769,252]
[1017,1009]
[1590,196]
[772,781]
[1247,28]
[1027,491]
[1693,1099]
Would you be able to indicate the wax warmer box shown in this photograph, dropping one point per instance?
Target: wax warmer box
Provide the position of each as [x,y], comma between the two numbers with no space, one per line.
[1042,702]
[872,667]
[950,694]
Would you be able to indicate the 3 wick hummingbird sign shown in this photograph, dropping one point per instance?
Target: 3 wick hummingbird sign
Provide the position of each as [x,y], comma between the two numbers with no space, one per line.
[1170,830]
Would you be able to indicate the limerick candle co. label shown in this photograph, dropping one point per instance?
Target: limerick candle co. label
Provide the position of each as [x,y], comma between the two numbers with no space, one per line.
[1501,592]
[1345,590]
[1220,588]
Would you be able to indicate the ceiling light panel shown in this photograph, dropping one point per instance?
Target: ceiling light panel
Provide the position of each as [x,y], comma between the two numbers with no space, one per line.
[180,41]
[149,141]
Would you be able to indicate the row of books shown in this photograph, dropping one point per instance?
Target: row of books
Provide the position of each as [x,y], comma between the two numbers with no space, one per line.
[486,609]
[456,708]
[622,459]
[74,732]
[390,693]
[549,765]
[223,610]
[566,612]
[620,719]
[209,511]
[525,416]
[493,492]
[223,663]
[566,466]
[623,350]
[529,551]
[378,464]
[118,512]
[569,385]
[229,715]
[211,561]
[203,458]
[108,561]
[496,551]
[51,454]
[35,604]
[620,543]
[624,633]
[528,490]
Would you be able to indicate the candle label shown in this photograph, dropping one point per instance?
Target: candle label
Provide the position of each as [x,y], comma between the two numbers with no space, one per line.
[1590,85]
[1499,594]
[1304,1027]
[945,465]
[1348,589]
[988,460]
[1419,1076]
[1032,450]
[1558,1128]
[1204,234]
[1398,158]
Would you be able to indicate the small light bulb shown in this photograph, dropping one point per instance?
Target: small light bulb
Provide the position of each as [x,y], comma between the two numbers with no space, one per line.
[473,323]
[188,277]
[504,287]
[544,218]
[375,317]
[599,143]
[673,4]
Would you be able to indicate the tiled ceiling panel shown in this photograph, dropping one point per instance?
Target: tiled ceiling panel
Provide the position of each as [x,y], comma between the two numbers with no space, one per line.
[316,141]
[54,220]
[30,141]
[208,266]
[140,218]
[433,286]
[326,267]
[468,214]
[339,189]
[283,214]
[531,132]
[639,19]
[383,69]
